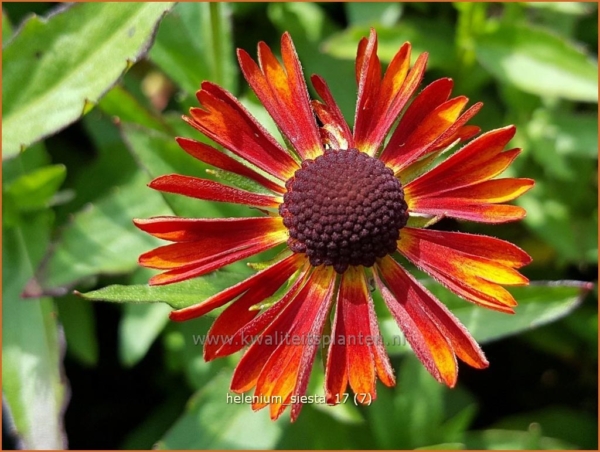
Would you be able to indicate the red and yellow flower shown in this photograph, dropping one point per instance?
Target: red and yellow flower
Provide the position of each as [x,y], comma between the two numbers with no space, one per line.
[341,202]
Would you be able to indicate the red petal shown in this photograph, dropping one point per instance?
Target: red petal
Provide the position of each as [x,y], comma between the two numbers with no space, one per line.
[318,307]
[476,202]
[239,325]
[330,114]
[283,92]
[464,133]
[285,266]
[278,378]
[491,191]
[277,323]
[211,247]
[395,75]
[384,369]
[480,160]
[481,213]
[428,100]
[355,320]
[460,339]
[354,307]
[336,371]
[423,137]
[224,120]
[177,229]
[218,159]
[383,103]
[427,341]
[214,262]
[289,362]
[211,191]
[470,265]
[368,79]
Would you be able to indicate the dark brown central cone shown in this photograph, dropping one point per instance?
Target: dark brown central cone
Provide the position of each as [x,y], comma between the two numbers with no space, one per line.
[343,208]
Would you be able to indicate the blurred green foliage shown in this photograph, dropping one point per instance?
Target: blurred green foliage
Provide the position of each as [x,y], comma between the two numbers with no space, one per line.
[92,98]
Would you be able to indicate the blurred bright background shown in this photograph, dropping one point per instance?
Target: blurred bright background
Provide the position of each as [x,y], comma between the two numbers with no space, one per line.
[92,99]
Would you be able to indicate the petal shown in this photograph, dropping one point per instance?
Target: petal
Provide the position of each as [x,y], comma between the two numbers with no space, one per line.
[239,325]
[223,119]
[425,338]
[283,92]
[384,369]
[218,159]
[428,100]
[482,213]
[285,266]
[209,190]
[476,202]
[336,370]
[279,321]
[368,79]
[470,265]
[461,134]
[480,160]
[177,229]
[208,248]
[278,378]
[423,137]
[491,191]
[461,341]
[202,266]
[395,75]
[463,344]
[330,114]
[318,307]
[354,306]
[371,126]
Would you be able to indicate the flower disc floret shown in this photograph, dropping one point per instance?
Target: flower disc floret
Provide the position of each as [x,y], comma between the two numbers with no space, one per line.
[344,208]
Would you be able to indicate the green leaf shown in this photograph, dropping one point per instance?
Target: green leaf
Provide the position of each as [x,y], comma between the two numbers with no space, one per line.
[159,154]
[140,325]
[111,166]
[213,420]
[454,428]
[569,8]
[575,427]
[538,62]
[409,415]
[144,435]
[121,103]
[178,296]
[443,446]
[318,418]
[440,44]
[512,440]
[32,376]
[184,342]
[539,303]
[570,214]
[34,190]
[372,13]
[77,319]
[194,44]
[35,158]
[567,134]
[101,239]
[56,66]
[7,29]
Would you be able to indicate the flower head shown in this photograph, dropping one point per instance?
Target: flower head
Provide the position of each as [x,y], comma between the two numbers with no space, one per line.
[341,202]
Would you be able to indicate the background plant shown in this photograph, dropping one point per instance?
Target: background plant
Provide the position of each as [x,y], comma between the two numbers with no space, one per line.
[92,99]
